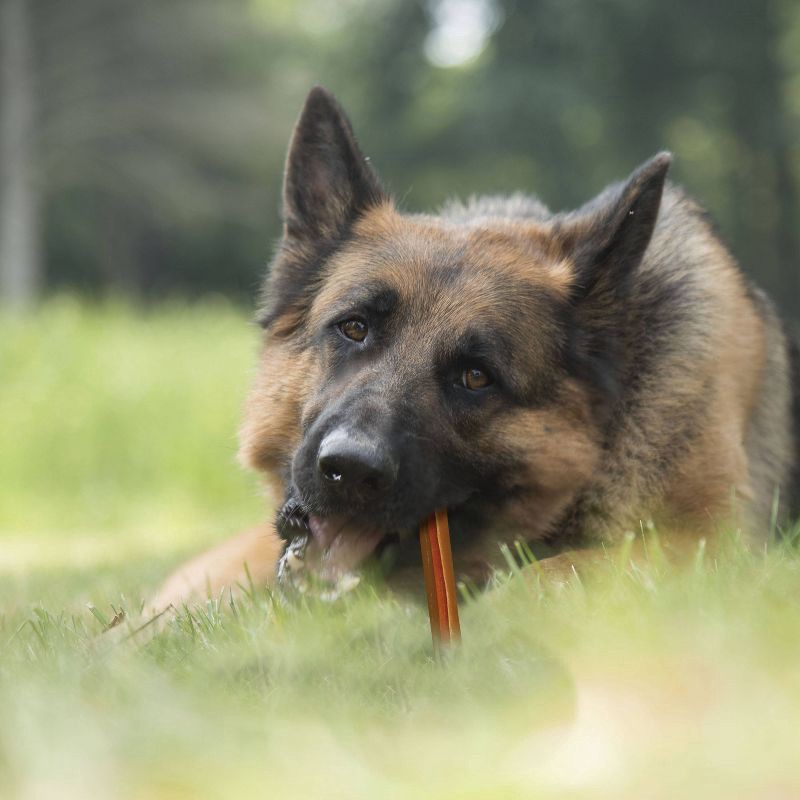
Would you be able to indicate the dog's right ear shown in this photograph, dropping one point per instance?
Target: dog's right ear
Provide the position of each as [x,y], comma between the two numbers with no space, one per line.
[328,182]
[327,185]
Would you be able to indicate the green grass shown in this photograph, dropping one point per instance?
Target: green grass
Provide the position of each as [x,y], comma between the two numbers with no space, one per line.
[118,431]
[117,445]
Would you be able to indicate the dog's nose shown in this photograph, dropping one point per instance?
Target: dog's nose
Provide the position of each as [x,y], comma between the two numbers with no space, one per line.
[353,460]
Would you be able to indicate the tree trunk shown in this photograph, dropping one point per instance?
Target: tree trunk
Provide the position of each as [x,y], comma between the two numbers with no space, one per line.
[788,232]
[19,202]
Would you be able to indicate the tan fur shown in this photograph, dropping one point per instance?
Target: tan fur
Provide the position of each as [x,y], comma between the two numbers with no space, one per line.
[714,481]
[271,428]
[706,437]
[706,485]
[560,450]
[222,569]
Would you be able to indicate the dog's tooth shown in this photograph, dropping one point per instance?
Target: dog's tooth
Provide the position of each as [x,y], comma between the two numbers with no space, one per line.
[294,562]
[348,582]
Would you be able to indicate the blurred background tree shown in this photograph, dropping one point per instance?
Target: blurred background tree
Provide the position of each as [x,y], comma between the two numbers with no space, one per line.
[143,140]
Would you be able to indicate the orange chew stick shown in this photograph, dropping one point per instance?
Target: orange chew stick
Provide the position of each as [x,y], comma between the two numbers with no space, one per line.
[440,582]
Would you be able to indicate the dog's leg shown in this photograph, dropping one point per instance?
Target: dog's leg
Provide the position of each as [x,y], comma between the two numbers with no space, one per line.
[222,568]
[676,550]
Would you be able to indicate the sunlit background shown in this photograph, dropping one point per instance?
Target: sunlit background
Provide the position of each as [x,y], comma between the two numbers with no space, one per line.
[141,152]
[143,141]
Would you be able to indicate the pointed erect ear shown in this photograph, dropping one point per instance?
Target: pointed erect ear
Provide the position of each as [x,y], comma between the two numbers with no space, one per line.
[607,237]
[328,182]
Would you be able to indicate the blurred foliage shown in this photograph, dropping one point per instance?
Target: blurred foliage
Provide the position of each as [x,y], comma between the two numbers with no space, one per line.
[162,126]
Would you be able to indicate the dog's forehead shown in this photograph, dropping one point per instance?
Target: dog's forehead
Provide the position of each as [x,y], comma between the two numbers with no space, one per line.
[451,272]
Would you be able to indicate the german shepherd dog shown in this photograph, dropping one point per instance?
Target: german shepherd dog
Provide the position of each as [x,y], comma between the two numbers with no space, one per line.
[554,377]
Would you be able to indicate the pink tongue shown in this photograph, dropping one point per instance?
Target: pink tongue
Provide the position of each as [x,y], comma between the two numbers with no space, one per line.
[338,546]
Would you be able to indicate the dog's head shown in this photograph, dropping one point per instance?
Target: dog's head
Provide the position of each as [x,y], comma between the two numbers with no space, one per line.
[417,362]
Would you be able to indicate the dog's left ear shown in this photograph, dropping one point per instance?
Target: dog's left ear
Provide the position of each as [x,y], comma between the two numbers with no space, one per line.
[607,237]
[328,182]
[605,240]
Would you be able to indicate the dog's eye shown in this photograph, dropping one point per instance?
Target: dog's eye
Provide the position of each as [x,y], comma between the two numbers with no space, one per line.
[475,379]
[354,329]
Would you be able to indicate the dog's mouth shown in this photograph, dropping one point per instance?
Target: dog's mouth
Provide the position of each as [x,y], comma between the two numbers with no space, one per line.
[339,545]
[323,555]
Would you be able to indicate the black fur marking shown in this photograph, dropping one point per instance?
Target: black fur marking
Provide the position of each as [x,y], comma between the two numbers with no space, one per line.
[328,182]
[447,276]
[293,283]
[611,232]
[328,185]
[291,519]
[373,300]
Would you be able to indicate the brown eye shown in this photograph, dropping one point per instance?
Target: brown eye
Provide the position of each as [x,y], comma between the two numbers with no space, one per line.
[354,329]
[475,379]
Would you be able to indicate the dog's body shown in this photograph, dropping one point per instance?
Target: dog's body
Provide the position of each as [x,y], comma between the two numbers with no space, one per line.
[552,377]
